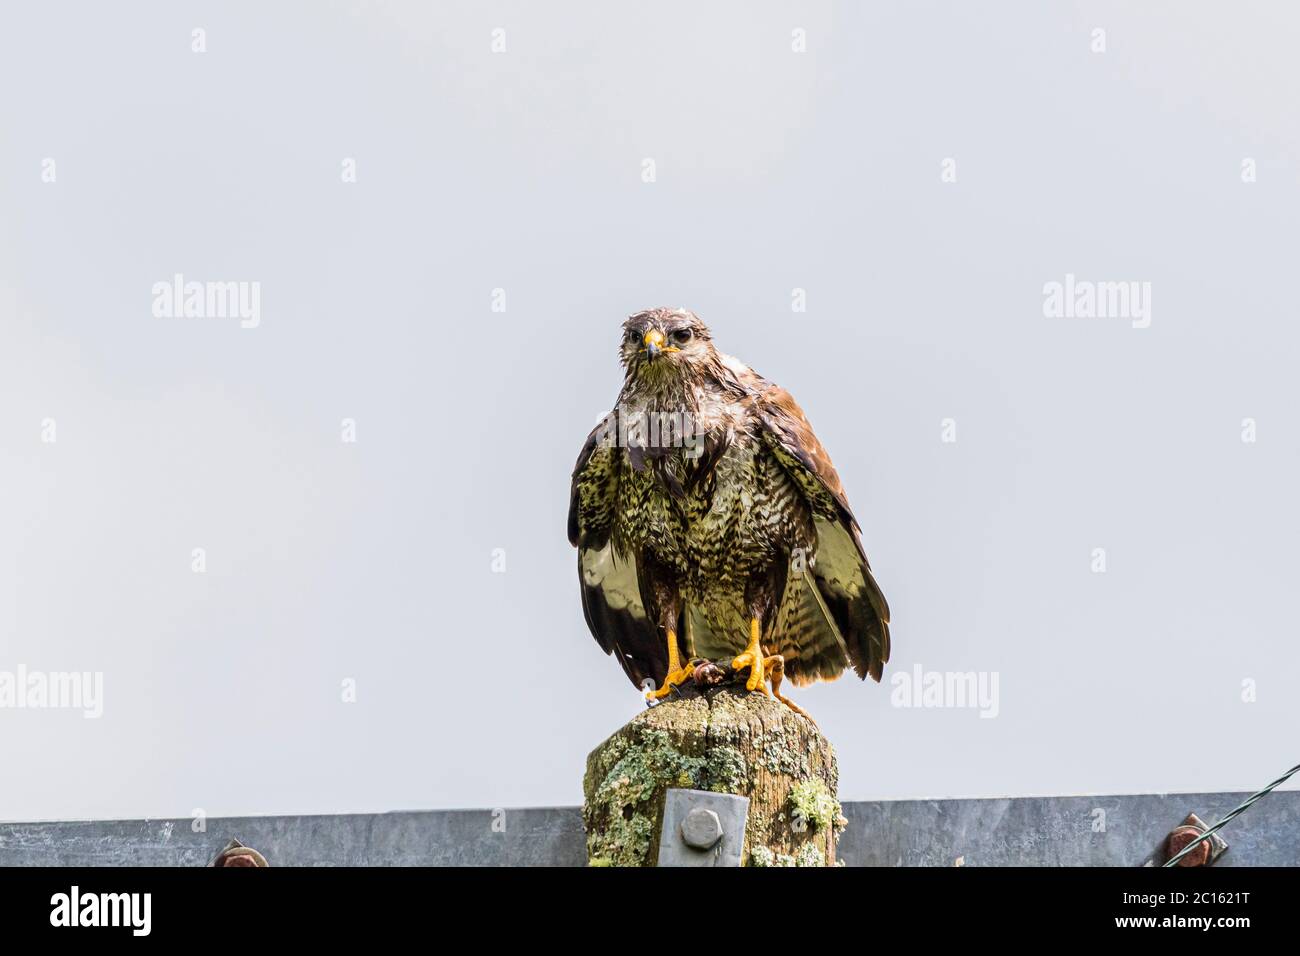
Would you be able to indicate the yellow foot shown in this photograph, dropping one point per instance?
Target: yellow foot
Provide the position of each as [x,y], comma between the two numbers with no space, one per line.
[753,659]
[672,681]
[795,707]
[776,671]
[757,669]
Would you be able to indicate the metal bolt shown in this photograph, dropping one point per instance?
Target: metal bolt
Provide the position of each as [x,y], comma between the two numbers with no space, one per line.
[236,854]
[701,829]
[1184,835]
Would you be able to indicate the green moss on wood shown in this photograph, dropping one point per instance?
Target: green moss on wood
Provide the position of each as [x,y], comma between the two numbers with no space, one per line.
[642,769]
[810,854]
[725,770]
[813,802]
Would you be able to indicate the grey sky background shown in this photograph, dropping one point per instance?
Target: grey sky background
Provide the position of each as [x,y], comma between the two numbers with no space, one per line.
[522,170]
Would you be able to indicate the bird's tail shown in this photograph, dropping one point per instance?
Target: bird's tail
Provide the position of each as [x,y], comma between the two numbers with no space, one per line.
[807,635]
[833,614]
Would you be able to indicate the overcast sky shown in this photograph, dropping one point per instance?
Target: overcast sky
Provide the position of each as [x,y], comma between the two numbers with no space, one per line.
[1075,507]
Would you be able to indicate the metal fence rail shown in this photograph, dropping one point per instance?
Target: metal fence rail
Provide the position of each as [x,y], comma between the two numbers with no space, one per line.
[1030,831]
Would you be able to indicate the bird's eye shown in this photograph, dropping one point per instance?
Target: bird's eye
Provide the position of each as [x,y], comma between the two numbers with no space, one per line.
[682,336]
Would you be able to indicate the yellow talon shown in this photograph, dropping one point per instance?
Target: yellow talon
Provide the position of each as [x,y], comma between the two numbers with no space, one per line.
[672,681]
[765,668]
[777,672]
[676,673]
[753,659]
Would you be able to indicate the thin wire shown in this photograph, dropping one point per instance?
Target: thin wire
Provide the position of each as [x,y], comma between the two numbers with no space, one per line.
[1234,812]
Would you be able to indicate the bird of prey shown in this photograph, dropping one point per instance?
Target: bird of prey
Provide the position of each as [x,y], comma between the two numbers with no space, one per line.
[710,525]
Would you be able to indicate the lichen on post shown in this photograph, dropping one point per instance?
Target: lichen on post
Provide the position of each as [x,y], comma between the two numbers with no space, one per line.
[724,739]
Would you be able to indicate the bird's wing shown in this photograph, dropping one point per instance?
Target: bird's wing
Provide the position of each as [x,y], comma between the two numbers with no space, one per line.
[854,611]
[611,591]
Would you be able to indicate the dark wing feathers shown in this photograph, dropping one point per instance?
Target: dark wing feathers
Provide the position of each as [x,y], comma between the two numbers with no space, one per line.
[841,570]
[597,483]
[611,592]
[611,603]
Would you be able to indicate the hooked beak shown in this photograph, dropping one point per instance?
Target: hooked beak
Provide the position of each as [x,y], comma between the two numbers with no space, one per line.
[654,343]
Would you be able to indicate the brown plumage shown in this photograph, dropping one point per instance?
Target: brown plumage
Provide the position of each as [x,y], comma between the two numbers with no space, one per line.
[705,503]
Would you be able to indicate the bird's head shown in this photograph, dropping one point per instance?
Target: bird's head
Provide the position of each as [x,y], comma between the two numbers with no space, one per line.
[665,342]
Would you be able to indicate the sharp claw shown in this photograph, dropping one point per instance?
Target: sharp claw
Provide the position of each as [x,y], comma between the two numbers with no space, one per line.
[672,682]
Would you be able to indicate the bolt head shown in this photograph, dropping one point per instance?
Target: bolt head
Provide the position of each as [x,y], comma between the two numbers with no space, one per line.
[240,856]
[1183,836]
[701,829]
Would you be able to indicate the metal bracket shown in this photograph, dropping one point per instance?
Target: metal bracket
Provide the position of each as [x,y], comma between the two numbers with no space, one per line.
[702,828]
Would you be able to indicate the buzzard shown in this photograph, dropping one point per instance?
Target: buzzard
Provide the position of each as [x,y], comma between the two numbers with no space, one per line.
[710,525]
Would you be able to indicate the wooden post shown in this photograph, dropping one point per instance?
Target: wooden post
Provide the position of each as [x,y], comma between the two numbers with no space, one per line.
[723,739]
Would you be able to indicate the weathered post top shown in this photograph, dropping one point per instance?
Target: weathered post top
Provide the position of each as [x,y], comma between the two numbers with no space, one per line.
[723,739]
